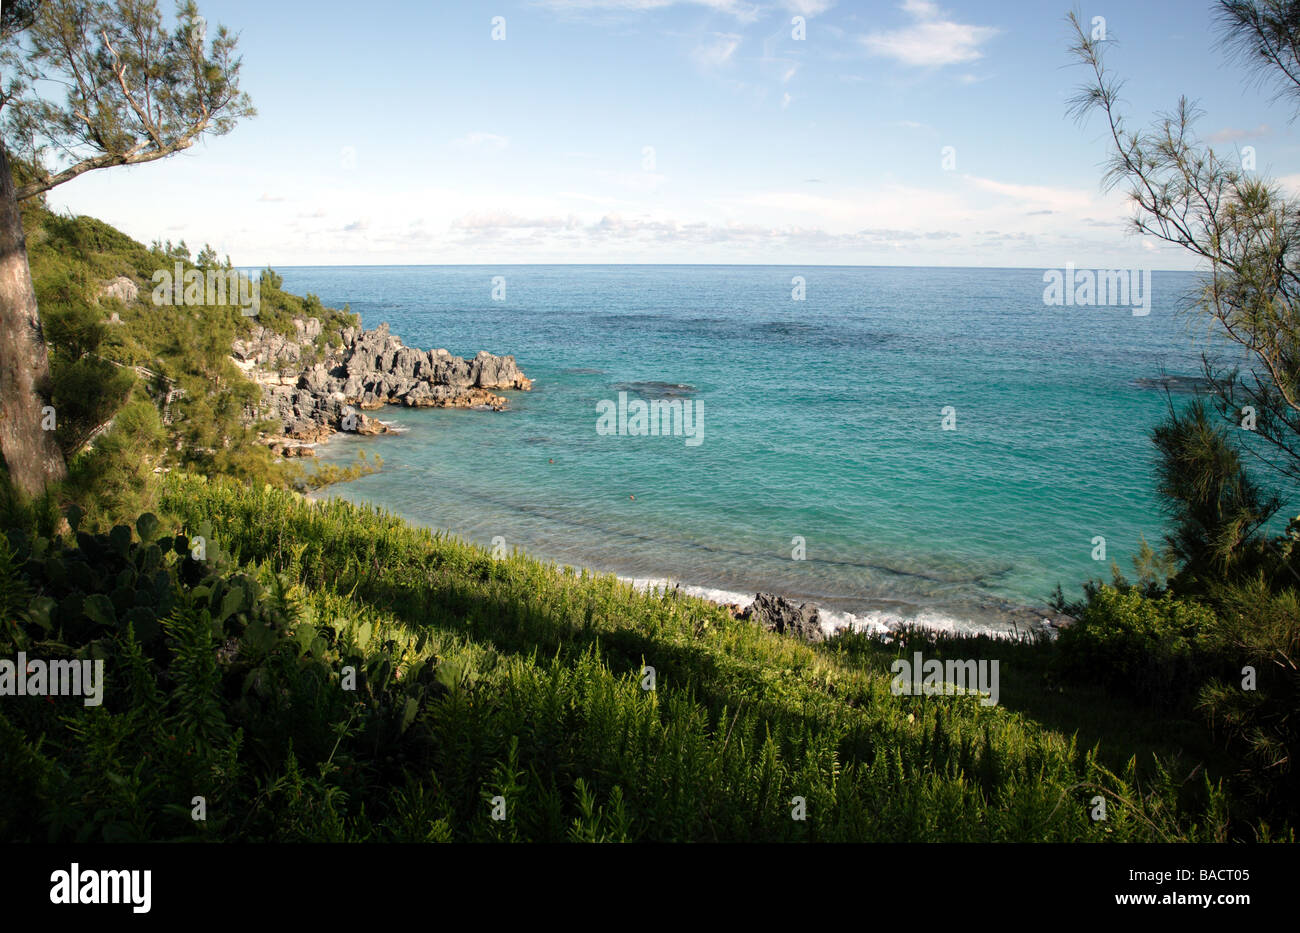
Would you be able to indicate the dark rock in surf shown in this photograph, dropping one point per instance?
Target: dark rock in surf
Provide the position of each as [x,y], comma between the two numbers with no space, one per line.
[655,390]
[1180,384]
[778,614]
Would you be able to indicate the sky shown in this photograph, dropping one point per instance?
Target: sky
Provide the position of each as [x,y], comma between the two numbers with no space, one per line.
[900,132]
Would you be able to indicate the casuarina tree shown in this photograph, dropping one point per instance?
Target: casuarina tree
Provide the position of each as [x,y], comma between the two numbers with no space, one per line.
[87,84]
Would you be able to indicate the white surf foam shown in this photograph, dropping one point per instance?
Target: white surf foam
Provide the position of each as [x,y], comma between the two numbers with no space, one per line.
[880,622]
[662,584]
[874,622]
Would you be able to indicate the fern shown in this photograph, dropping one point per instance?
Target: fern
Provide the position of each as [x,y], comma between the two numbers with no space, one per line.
[196,698]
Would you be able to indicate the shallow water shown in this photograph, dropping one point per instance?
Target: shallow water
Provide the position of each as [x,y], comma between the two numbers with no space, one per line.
[822,420]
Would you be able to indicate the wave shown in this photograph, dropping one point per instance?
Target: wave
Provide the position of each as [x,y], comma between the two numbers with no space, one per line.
[884,622]
[712,594]
[879,622]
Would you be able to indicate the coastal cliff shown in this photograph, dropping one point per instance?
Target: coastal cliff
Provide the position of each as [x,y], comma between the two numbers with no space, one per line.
[316,383]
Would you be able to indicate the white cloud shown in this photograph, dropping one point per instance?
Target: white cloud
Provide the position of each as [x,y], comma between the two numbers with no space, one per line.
[641,231]
[737,8]
[1290,184]
[924,9]
[893,206]
[481,141]
[931,41]
[718,52]
[641,182]
[809,7]
[1036,197]
[1231,134]
[503,220]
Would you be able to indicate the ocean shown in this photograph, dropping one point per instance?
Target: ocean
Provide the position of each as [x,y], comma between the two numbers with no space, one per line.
[927,445]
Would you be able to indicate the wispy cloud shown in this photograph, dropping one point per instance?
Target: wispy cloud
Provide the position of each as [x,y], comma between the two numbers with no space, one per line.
[1231,134]
[640,182]
[718,52]
[502,220]
[809,7]
[931,40]
[619,228]
[1041,198]
[737,8]
[481,141]
[1290,184]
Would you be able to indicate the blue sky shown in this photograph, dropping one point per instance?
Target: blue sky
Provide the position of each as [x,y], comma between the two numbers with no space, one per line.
[689,131]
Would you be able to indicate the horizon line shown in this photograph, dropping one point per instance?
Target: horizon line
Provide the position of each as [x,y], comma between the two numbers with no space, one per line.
[741,265]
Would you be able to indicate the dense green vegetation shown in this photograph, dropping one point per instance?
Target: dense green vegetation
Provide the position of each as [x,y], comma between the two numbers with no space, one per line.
[281,669]
[1212,626]
[477,682]
[480,678]
[95,381]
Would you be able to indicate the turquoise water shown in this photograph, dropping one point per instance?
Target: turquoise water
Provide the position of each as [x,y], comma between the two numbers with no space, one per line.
[821,419]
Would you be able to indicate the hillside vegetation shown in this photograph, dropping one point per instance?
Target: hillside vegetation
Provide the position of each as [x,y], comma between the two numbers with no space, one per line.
[283,669]
[212,422]
[479,679]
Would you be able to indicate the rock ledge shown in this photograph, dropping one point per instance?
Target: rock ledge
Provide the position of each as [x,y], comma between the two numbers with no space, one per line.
[362,370]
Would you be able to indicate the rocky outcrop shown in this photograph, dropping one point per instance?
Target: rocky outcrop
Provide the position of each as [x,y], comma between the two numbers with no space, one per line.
[378,370]
[314,391]
[289,451]
[268,350]
[121,288]
[778,614]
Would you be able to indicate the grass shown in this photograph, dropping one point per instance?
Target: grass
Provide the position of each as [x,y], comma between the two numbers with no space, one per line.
[1118,727]
[541,704]
[328,672]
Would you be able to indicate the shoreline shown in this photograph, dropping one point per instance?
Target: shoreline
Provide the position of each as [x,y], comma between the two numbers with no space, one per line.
[878,622]
[1009,620]
[391,374]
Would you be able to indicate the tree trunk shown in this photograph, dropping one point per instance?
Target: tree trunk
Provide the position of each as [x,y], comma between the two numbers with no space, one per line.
[30,452]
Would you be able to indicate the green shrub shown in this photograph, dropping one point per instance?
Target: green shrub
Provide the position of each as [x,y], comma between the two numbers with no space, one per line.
[208,428]
[480,681]
[1254,707]
[1142,646]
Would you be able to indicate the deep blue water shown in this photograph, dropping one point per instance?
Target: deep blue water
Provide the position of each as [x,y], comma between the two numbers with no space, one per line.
[822,419]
